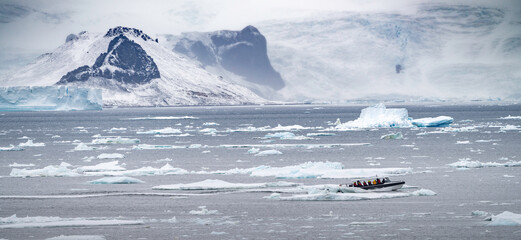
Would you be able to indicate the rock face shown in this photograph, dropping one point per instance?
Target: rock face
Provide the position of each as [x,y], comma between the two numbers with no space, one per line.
[125,61]
[241,52]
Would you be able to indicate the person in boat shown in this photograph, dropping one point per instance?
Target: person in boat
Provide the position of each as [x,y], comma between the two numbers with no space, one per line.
[358,183]
[383,180]
[365,184]
[378,181]
[374,182]
[369,183]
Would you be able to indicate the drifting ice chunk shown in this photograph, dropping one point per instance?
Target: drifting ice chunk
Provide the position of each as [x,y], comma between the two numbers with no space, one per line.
[30,143]
[397,135]
[78,237]
[167,130]
[50,171]
[268,152]
[253,150]
[328,196]
[214,184]
[21,165]
[41,222]
[441,121]
[83,147]
[506,219]
[115,140]
[108,166]
[379,116]
[203,211]
[110,156]
[11,148]
[49,98]
[285,136]
[116,180]
[467,163]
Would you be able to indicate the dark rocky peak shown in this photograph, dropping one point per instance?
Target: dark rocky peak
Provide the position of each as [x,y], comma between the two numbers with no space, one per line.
[125,61]
[71,37]
[125,30]
[241,52]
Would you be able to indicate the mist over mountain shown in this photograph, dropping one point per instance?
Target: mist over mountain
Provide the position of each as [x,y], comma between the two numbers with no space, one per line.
[440,51]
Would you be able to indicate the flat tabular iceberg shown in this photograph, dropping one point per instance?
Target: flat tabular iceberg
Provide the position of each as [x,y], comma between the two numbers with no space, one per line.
[49,98]
[215,184]
[41,222]
[116,180]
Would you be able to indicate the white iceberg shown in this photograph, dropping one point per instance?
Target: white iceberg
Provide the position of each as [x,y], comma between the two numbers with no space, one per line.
[110,156]
[167,169]
[78,237]
[83,147]
[21,165]
[268,153]
[167,130]
[505,218]
[356,196]
[203,211]
[467,163]
[285,136]
[163,118]
[215,184]
[49,98]
[440,121]
[107,166]
[11,148]
[30,143]
[510,117]
[53,222]
[115,140]
[116,180]
[397,135]
[379,116]
[50,171]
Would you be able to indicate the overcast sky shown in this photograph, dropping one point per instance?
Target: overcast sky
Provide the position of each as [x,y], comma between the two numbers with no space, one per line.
[32,27]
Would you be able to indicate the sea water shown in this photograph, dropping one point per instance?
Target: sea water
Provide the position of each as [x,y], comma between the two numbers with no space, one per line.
[456,176]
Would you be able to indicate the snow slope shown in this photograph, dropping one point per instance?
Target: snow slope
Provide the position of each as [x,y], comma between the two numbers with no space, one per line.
[181,81]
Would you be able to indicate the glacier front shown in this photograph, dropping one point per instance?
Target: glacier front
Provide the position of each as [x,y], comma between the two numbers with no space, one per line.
[49,98]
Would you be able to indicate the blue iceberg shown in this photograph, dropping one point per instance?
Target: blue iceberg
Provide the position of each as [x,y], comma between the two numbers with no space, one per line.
[441,121]
[49,98]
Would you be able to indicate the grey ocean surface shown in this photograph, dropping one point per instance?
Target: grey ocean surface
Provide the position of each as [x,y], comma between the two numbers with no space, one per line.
[247,214]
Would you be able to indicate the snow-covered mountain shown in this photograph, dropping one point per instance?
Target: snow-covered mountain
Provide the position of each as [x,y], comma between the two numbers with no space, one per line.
[133,70]
[430,51]
[237,55]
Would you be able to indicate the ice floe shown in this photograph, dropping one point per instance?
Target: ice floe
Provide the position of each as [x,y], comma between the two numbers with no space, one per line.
[44,222]
[285,136]
[268,153]
[203,211]
[83,147]
[115,140]
[215,184]
[116,180]
[78,237]
[61,170]
[110,156]
[163,118]
[253,150]
[11,148]
[106,166]
[21,165]
[509,128]
[397,135]
[467,163]
[356,196]
[505,218]
[167,169]
[511,117]
[167,130]
[30,143]
[320,134]
[211,124]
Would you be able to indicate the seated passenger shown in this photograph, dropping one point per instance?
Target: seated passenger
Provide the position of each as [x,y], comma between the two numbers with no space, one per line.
[374,182]
[378,181]
[365,184]
[383,180]
[358,183]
